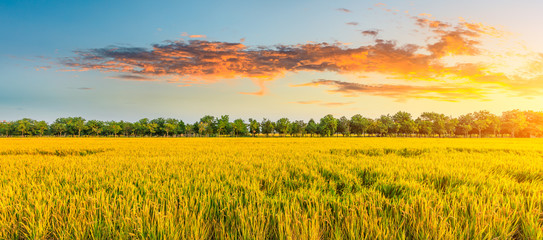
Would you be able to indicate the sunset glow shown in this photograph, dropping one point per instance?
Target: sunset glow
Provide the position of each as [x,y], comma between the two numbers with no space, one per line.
[455,62]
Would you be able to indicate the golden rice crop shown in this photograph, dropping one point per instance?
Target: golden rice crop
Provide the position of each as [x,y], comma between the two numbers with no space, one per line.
[271,188]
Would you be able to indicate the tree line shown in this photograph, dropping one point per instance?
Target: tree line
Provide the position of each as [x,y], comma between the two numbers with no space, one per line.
[514,123]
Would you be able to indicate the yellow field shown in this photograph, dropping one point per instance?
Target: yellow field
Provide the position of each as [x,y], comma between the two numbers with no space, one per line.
[271,188]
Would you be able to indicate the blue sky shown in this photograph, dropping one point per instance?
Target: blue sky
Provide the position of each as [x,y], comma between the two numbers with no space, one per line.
[40,37]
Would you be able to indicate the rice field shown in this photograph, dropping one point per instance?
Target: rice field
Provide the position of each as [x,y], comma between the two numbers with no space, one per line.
[271,188]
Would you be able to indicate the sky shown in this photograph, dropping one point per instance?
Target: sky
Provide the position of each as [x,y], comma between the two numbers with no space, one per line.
[126,60]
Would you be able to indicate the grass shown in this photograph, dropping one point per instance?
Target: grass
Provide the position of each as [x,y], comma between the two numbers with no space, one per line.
[276,188]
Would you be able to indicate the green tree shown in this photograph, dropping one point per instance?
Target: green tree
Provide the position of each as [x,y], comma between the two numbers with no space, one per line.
[534,124]
[181,127]
[68,122]
[209,123]
[128,128]
[189,129]
[41,126]
[301,127]
[24,126]
[152,128]
[385,124]
[359,124]
[95,127]
[394,128]
[344,126]
[372,127]
[495,125]
[203,128]
[141,127]
[328,125]
[437,120]
[5,128]
[58,128]
[78,123]
[170,126]
[465,124]
[514,121]
[223,124]
[282,126]
[450,125]
[425,127]
[481,121]
[404,123]
[297,127]
[254,126]
[196,128]
[114,127]
[160,128]
[239,127]
[311,127]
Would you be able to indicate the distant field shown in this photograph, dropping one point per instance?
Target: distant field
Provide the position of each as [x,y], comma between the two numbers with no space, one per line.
[271,188]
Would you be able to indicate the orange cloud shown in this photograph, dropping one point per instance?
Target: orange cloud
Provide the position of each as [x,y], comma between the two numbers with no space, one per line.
[400,92]
[197,36]
[43,68]
[203,62]
[425,15]
[221,60]
[263,90]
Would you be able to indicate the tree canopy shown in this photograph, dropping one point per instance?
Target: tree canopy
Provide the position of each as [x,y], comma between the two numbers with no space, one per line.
[514,123]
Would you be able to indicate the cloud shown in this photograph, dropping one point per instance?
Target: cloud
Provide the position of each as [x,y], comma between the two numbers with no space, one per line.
[372,33]
[197,36]
[84,88]
[204,62]
[352,23]
[224,60]
[399,92]
[212,61]
[133,77]
[263,90]
[459,40]
[344,10]
[425,15]
[43,68]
